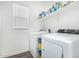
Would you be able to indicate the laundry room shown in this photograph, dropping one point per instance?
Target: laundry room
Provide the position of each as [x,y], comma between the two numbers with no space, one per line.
[39,29]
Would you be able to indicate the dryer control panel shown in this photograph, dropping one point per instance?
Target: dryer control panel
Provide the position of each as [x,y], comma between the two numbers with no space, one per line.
[69,31]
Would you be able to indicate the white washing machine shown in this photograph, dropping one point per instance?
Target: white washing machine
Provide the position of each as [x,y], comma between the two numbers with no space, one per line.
[60,45]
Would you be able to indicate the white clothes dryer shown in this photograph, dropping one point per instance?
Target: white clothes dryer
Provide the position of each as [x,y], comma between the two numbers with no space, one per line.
[60,45]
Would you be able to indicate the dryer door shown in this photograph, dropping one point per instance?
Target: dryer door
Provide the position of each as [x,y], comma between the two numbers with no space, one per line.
[50,50]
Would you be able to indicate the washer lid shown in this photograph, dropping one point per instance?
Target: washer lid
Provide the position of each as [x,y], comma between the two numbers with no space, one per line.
[68,38]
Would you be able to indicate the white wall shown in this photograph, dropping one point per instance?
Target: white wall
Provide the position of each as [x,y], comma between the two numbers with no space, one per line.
[67,18]
[13,41]
[0,28]
[70,17]
[17,41]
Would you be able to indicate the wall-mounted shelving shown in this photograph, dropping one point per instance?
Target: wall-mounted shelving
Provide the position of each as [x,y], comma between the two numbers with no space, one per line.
[56,12]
